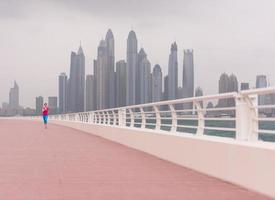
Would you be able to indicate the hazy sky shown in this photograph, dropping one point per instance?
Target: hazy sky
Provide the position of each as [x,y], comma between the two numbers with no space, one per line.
[36,38]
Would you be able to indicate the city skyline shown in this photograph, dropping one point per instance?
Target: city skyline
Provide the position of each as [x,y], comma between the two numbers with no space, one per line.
[226,36]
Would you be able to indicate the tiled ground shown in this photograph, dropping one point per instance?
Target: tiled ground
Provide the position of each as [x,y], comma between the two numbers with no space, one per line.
[65,164]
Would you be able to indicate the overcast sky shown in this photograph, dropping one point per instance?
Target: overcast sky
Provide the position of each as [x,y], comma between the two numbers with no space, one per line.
[36,38]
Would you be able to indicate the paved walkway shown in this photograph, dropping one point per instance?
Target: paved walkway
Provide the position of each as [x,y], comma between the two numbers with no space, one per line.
[61,163]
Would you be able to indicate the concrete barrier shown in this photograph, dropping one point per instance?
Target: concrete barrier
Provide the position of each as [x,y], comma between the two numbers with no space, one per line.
[248,164]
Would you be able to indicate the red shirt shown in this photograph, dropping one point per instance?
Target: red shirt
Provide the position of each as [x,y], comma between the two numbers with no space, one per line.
[45,110]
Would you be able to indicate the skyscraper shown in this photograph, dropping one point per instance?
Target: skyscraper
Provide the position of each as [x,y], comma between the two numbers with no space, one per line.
[188,77]
[14,97]
[227,84]
[131,68]
[121,83]
[223,88]
[111,68]
[145,81]
[62,93]
[244,86]
[261,82]
[90,93]
[38,105]
[199,93]
[102,76]
[188,74]
[157,84]
[165,92]
[52,103]
[173,72]
[141,56]
[233,87]
[77,82]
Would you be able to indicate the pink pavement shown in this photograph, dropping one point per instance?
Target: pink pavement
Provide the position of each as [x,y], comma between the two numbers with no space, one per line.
[61,163]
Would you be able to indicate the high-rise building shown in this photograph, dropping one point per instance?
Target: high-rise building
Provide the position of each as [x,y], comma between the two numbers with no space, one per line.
[199,93]
[233,87]
[173,72]
[165,92]
[90,93]
[131,68]
[188,74]
[38,105]
[14,97]
[62,93]
[110,43]
[102,76]
[157,84]
[244,86]
[145,81]
[261,82]
[223,88]
[141,56]
[121,83]
[227,84]
[188,77]
[76,89]
[52,103]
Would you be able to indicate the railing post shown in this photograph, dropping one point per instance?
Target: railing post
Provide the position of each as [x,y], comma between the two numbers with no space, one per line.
[174,118]
[122,117]
[200,113]
[108,118]
[132,118]
[158,118]
[246,126]
[143,118]
[114,117]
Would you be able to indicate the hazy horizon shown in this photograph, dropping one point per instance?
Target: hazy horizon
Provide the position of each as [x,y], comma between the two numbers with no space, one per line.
[37,37]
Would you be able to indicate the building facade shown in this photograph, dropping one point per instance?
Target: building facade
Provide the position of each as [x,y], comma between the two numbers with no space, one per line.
[62,93]
[173,72]
[76,86]
[131,68]
[157,84]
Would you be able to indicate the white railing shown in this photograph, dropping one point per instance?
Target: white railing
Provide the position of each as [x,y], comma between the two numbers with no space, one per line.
[237,115]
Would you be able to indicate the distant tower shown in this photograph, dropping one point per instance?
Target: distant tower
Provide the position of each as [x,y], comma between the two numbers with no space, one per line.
[90,93]
[244,86]
[62,79]
[77,82]
[188,74]
[141,56]
[111,68]
[157,84]
[102,76]
[121,83]
[52,103]
[223,88]
[199,93]
[188,77]
[233,87]
[14,97]
[173,72]
[145,86]
[131,68]
[38,105]
[261,82]
[165,93]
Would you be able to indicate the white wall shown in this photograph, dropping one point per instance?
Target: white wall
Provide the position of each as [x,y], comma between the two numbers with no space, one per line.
[248,164]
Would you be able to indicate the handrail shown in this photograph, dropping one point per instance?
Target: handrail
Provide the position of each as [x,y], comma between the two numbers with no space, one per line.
[235,112]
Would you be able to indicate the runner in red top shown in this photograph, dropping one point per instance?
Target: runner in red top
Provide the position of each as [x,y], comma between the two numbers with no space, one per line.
[45,111]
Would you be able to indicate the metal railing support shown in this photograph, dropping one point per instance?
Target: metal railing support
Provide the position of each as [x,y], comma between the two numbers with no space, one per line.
[246,126]
[158,118]
[200,129]
[174,118]
[143,118]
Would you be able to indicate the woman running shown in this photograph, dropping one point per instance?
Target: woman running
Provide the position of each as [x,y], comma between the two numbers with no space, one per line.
[45,111]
